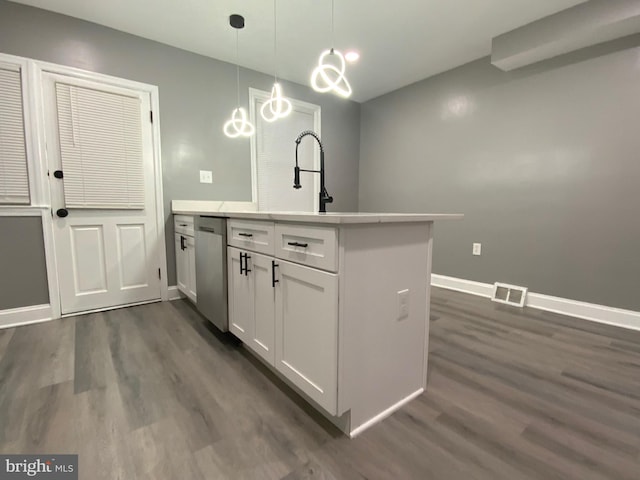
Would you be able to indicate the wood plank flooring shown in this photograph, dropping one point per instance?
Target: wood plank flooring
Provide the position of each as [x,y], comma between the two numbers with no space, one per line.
[154,392]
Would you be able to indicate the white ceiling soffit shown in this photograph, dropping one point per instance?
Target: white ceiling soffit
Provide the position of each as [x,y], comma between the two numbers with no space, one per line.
[582,26]
[400,42]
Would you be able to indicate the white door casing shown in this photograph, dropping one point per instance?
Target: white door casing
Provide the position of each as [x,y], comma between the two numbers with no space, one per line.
[105,258]
[273,156]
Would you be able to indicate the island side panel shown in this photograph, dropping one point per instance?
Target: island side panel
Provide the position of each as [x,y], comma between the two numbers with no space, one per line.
[381,357]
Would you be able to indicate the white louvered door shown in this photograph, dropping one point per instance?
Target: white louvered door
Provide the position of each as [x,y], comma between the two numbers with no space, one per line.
[107,248]
[14,180]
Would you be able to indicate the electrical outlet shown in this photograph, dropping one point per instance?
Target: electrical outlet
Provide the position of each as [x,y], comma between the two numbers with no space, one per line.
[403,304]
[477,249]
[206,176]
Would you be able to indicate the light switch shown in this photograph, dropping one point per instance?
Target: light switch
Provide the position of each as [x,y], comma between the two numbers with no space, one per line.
[206,176]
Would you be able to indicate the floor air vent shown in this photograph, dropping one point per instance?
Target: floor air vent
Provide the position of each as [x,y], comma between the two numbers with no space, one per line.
[509,294]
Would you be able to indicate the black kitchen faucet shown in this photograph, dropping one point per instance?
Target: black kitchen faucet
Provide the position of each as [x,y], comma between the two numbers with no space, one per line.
[324,195]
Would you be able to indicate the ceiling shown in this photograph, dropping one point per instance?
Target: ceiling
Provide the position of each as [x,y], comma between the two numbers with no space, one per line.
[400,42]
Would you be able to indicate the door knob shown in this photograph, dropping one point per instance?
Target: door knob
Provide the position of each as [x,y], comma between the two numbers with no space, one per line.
[58,174]
[62,212]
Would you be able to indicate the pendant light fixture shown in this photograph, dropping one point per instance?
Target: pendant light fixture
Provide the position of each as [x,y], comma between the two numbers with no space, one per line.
[239,125]
[328,76]
[277,106]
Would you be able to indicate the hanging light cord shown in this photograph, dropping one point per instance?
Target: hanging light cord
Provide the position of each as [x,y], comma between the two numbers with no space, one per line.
[333,39]
[237,70]
[275,39]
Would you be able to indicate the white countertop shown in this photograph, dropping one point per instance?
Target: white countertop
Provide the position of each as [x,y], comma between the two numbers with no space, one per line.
[247,211]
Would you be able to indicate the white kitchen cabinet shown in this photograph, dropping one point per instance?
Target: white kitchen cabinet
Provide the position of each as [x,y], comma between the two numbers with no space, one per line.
[306,321]
[240,295]
[182,264]
[185,256]
[263,336]
[320,305]
[191,259]
[252,300]
[288,314]
[186,266]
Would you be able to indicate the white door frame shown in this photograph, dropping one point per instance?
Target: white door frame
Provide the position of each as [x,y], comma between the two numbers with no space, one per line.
[254,96]
[37,68]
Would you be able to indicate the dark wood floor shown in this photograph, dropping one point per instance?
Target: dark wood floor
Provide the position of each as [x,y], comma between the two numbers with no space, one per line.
[152,392]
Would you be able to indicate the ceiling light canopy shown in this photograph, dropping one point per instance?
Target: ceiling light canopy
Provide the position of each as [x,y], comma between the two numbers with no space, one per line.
[239,125]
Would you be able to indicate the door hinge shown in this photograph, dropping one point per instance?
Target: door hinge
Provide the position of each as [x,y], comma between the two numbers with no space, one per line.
[159,274]
[151,115]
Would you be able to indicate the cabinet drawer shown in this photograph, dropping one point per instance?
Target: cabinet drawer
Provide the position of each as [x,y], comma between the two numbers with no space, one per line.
[309,245]
[183,224]
[251,235]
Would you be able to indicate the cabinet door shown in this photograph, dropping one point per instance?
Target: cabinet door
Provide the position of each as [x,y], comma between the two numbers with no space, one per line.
[182,264]
[191,260]
[240,295]
[263,337]
[307,331]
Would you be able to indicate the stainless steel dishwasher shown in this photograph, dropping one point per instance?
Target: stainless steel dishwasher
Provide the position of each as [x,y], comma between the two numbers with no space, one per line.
[211,269]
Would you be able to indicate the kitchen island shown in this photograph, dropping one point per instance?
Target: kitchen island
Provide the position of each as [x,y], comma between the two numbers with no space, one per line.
[337,304]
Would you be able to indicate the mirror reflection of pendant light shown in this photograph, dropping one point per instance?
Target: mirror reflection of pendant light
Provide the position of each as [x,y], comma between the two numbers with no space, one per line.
[328,76]
[277,106]
[239,125]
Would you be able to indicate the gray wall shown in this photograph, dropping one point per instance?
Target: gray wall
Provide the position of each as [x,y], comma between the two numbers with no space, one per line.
[23,271]
[197,94]
[543,162]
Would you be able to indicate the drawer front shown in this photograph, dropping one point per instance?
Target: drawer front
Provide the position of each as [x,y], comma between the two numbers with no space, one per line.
[308,245]
[183,224]
[251,235]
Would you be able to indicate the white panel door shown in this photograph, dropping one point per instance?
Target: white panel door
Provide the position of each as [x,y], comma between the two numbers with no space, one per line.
[240,295]
[274,150]
[106,257]
[307,331]
[263,337]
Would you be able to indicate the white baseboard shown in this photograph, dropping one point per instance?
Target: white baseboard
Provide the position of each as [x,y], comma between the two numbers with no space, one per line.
[587,311]
[16,317]
[174,293]
[382,415]
[460,285]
